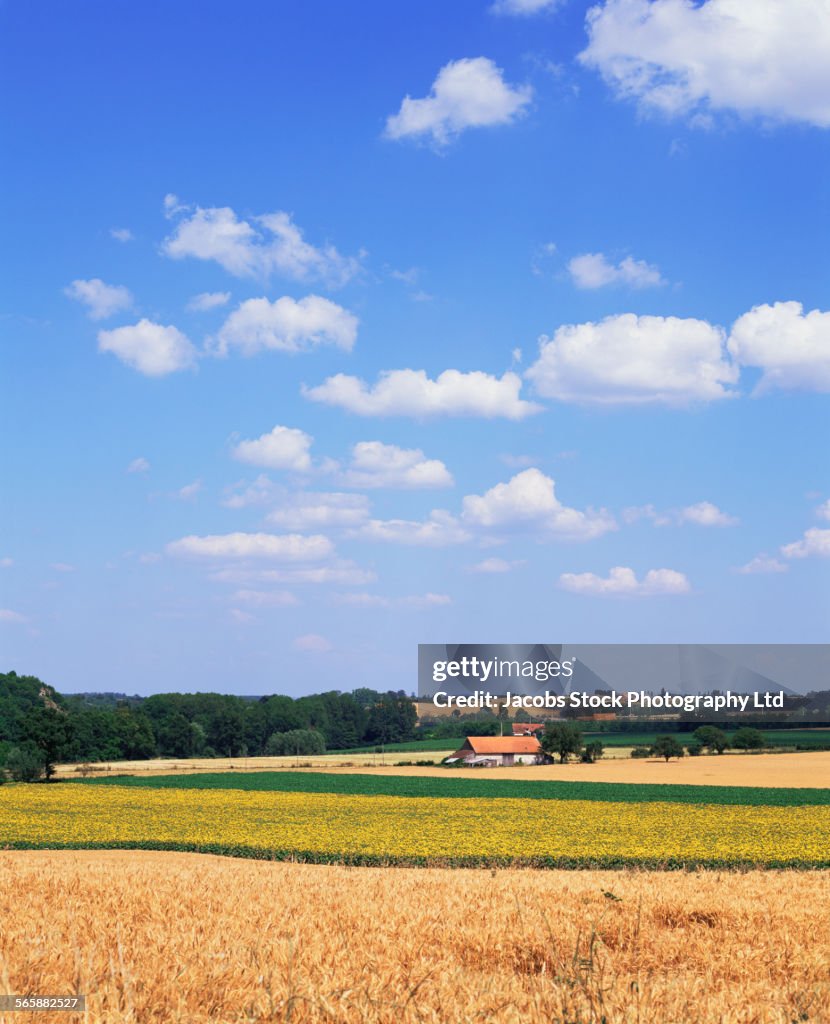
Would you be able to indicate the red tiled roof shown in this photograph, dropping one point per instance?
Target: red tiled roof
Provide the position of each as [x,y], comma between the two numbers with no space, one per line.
[503,744]
[520,728]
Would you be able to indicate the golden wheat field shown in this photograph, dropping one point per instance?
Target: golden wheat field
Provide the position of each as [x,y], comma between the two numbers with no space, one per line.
[808,769]
[152,938]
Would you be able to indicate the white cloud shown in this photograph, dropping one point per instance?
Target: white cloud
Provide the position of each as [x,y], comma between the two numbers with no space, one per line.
[412,393]
[814,542]
[467,93]
[312,642]
[204,301]
[286,548]
[261,492]
[265,598]
[422,601]
[704,513]
[189,491]
[529,500]
[62,567]
[594,270]
[762,564]
[341,572]
[635,513]
[101,300]
[287,325]
[6,563]
[319,511]
[122,234]
[823,511]
[375,464]
[622,582]
[632,360]
[791,347]
[282,448]
[494,565]
[265,245]
[7,615]
[441,529]
[524,7]
[139,465]
[677,57]
[150,348]
[238,615]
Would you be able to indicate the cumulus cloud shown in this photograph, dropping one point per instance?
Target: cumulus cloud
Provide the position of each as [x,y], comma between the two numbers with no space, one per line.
[139,465]
[815,542]
[441,529]
[467,93]
[528,500]
[265,245]
[374,464]
[704,513]
[101,300]
[623,582]
[762,564]
[205,301]
[189,491]
[150,348]
[823,511]
[789,346]
[412,393]
[282,448]
[312,642]
[594,270]
[121,234]
[634,513]
[677,57]
[634,360]
[320,511]
[287,325]
[285,548]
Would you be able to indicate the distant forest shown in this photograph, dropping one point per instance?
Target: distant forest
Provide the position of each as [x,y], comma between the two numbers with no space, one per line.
[38,723]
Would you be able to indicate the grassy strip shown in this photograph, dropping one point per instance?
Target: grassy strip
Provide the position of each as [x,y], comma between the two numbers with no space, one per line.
[431,786]
[383,861]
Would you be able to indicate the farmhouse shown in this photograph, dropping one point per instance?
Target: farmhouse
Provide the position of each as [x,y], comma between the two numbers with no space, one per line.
[490,751]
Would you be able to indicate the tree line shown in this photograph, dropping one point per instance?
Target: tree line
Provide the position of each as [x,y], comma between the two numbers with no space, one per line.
[40,728]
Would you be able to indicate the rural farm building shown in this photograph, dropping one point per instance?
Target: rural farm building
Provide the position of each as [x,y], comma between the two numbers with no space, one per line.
[490,751]
[527,728]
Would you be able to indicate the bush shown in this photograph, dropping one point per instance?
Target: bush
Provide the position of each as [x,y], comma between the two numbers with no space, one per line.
[641,752]
[694,749]
[748,739]
[25,763]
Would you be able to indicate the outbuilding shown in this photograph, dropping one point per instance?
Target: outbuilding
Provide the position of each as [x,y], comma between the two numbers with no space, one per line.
[494,751]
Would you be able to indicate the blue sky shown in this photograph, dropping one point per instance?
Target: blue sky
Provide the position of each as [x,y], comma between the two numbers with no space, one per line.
[332,329]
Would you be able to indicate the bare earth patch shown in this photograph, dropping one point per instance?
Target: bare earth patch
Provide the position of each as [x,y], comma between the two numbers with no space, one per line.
[163,937]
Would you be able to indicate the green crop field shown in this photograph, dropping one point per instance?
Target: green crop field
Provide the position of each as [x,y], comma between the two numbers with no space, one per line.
[422,786]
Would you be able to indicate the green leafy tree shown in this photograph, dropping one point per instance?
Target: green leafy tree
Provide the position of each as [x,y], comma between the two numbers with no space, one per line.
[593,752]
[299,742]
[711,737]
[748,739]
[667,747]
[562,738]
[26,762]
